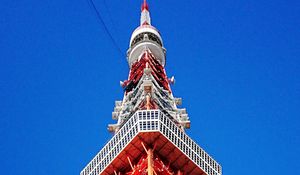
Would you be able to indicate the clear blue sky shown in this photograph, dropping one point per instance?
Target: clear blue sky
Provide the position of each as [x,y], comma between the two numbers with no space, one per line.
[236,65]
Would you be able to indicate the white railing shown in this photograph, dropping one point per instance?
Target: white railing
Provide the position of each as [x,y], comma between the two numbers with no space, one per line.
[151,121]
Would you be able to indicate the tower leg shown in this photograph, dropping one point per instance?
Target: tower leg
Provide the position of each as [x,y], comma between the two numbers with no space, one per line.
[179,172]
[150,161]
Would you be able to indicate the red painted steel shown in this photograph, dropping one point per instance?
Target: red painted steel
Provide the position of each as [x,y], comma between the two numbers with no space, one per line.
[159,167]
[137,70]
[145,6]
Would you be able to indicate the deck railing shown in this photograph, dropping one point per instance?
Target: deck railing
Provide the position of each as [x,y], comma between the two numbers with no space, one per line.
[151,121]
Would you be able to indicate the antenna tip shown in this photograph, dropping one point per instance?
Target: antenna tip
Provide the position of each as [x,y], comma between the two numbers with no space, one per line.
[145,6]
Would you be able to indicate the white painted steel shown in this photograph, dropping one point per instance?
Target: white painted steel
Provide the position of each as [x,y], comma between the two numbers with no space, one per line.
[144,29]
[151,121]
[145,17]
[134,52]
[137,51]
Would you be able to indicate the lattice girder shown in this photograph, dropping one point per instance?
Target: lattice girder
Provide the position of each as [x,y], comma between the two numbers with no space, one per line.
[155,130]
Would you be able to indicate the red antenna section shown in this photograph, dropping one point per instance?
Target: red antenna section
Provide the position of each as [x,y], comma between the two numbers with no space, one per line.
[145,6]
[145,16]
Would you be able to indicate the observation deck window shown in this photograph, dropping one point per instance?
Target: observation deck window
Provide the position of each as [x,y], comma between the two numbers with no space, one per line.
[140,37]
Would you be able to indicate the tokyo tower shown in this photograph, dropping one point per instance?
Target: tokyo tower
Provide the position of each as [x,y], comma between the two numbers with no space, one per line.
[149,135]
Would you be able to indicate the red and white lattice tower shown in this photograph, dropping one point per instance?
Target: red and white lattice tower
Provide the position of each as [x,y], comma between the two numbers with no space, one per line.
[149,136]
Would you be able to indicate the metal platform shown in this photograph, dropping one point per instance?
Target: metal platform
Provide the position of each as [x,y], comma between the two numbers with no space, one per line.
[155,130]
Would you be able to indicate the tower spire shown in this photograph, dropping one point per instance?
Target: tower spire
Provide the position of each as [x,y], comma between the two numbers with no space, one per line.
[145,15]
[145,6]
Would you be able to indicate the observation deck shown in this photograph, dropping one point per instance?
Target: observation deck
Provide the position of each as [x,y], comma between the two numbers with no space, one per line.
[146,37]
[154,129]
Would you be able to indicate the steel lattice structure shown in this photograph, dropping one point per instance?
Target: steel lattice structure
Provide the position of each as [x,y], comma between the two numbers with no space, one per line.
[149,136]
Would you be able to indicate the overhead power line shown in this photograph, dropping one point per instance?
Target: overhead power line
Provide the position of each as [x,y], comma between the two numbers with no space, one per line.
[100,19]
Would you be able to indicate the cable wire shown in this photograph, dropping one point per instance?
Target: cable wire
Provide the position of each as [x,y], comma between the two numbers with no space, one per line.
[100,19]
